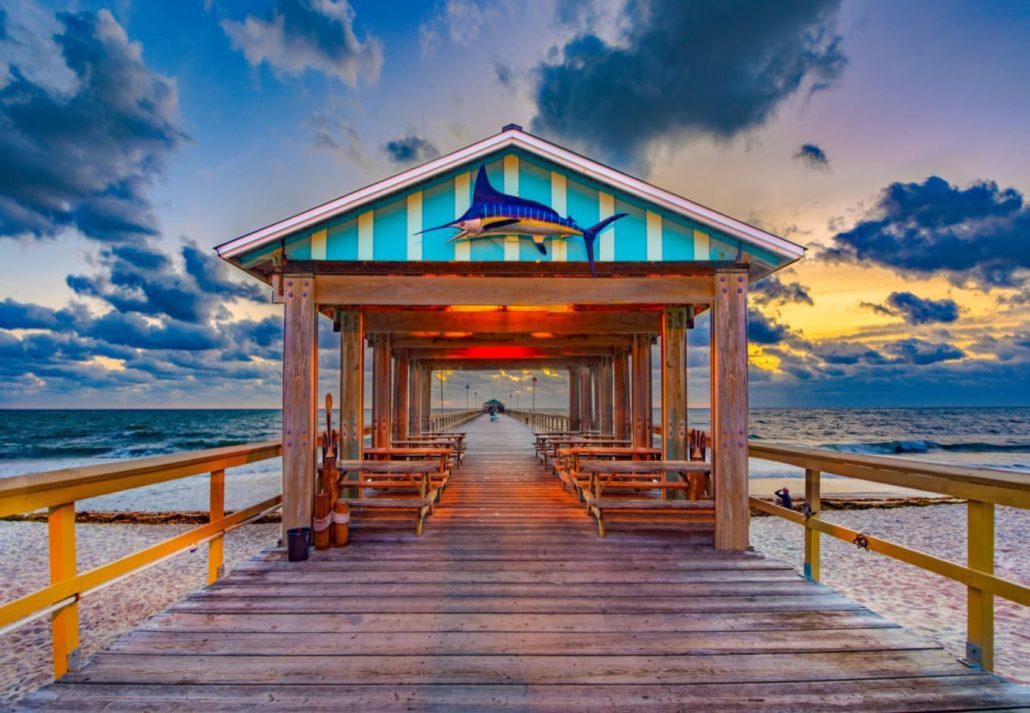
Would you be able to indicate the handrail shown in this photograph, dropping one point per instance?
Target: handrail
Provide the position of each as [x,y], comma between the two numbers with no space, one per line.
[983,488]
[58,490]
[444,421]
[540,421]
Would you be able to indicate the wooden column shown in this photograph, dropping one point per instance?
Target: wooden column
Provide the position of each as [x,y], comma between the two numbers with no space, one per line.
[382,394]
[427,399]
[604,396]
[300,415]
[400,397]
[641,366]
[64,623]
[621,396]
[586,410]
[415,371]
[574,397]
[352,384]
[729,410]
[674,384]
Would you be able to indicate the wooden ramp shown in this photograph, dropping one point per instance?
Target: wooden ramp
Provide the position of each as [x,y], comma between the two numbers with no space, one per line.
[510,600]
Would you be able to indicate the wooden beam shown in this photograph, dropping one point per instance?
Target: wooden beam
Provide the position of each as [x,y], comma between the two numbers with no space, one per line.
[509,364]
[623,421]
[586,399]
[514,353]
[574,409]
[499,321]
[400,395]
[344,290]
[352,384]
[546,269]
[641,395]
[300,381]
[405,341]
[382,395]
[427,396]
[604,399]
[674,384]
[729,410]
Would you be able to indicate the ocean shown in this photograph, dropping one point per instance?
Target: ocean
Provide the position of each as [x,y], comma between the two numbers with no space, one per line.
[37,440]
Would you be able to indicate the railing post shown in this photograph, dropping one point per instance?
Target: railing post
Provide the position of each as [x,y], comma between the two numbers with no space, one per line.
[812,508]
[216,546]
[980,604]
[65,621]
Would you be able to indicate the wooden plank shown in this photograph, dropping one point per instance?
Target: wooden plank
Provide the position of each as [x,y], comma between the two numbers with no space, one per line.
[64,623]
[300,381]
[497,269]
[415,374]
[605,406]
[575,413]
[586,399]
[730,411]
[623,421]
[503,321]
[542,340]
[382,394]
[352,383]
[476,290]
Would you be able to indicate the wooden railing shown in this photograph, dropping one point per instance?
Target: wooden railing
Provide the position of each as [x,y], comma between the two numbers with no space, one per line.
[981,487]
[541,422]
[447,421]
[58,490]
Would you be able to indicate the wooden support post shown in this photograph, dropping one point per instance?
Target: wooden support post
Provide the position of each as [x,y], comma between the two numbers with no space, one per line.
[586,411]
[980,604]
[813,505]
[574,398]
[64,623]
[216,546]
[400,391]
[352,384]
[427,400]
[382,394]
[415,372]
[621,395]
[674,384]
[642,418]
[729,410]
[300,415]
[604,396]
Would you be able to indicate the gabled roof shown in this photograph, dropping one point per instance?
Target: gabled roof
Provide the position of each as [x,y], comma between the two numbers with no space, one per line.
[512,136]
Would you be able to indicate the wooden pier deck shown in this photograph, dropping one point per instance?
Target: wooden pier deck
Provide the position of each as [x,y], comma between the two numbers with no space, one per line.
[510,600]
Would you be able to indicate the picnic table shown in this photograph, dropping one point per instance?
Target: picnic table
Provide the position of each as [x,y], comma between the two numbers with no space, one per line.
[440,454]
[551,445]
[567,460]
[398,486]
[622,486]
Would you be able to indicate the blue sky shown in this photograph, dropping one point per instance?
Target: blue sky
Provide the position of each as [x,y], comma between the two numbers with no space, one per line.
[890,138]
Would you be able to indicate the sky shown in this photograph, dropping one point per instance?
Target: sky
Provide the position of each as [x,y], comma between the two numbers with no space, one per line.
[890,139]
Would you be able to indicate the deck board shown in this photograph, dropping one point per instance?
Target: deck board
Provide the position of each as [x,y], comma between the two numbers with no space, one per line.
[510,600]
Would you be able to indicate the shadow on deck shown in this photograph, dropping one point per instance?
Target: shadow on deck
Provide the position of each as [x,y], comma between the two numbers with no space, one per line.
[511,600]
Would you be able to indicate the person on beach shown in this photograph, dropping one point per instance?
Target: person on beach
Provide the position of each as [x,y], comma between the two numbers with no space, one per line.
[785,500]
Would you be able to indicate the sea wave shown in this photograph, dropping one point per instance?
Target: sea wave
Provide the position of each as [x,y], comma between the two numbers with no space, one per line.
[923,446]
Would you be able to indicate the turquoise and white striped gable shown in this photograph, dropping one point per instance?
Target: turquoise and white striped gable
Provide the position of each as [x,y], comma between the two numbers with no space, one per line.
[387,226]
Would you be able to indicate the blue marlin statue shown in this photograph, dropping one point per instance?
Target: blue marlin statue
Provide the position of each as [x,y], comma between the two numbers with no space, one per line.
[494,214]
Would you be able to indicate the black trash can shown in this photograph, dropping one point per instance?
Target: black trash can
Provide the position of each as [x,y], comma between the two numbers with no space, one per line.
[298,540]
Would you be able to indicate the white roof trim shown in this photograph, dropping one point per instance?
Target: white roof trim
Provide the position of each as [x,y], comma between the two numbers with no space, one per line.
[535,145]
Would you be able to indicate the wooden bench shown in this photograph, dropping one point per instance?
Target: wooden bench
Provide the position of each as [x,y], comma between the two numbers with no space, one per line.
[567,461]
[553,444]
[441,455]
[455,446]
[620,486]
[402,486]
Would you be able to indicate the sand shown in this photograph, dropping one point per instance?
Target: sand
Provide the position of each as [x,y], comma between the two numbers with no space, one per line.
[832,487]
[922,602]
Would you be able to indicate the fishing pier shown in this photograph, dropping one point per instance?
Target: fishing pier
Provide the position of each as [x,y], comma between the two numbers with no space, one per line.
[581,561]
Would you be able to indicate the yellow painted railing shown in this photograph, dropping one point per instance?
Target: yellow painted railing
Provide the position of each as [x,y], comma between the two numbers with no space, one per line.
[58,490]
[982,488]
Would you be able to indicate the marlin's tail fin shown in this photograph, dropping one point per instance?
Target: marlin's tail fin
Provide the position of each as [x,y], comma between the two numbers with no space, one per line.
[590,235]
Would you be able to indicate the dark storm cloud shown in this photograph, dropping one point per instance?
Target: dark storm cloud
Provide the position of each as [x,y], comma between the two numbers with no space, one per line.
[296,35]
[715,68]
[919,352]
[772,290]
[812,156]
[410,149]
[211,275]
[979,235]
[82,158]
[917,310]
[131,330]
[847,353]
[762,330]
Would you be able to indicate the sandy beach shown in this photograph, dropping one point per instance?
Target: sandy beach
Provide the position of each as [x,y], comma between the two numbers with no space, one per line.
[832,488]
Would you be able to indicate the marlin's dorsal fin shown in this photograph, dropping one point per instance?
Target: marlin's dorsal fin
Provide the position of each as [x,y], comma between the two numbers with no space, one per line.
[484,192]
